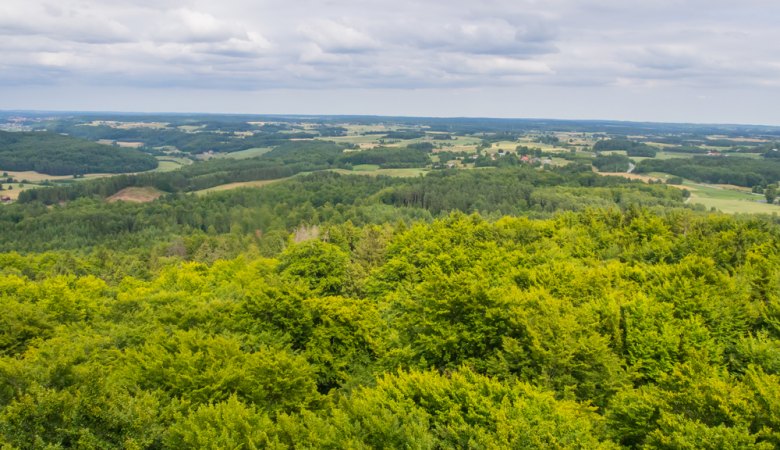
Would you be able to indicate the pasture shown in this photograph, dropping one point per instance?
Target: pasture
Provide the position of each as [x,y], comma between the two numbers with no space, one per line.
[240,184]
[245,154]
[728,199]
[403,173]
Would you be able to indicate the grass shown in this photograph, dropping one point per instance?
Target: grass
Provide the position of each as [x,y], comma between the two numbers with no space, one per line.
[13,194]
[630,176]
[359,139]
[403,173]
[672,155]
[245,154]
[461,144]
[728,199]
[240,184]
[168,163]
[658,155]
[35,177]
[530,143]
[365,167]
[558,162]
[502,145]
[353,129]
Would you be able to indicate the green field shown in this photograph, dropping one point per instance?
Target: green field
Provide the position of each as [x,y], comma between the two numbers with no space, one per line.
[531,143]
[169,163]
[558,162]
[658,155]
[728,200]
[245,154]
[358,139]
[15,189]
[365,167]
[403,173]
[240,184]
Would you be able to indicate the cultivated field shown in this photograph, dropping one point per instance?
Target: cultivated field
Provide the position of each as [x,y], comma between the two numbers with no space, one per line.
[404,173]
[136,195]
[729,199]
[241,184]
[121,143]
[169,163]
[245,154]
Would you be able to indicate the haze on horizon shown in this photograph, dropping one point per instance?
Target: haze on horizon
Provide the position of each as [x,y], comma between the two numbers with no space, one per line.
[665,60]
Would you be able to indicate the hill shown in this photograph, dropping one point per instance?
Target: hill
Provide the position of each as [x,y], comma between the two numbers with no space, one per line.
[56,154]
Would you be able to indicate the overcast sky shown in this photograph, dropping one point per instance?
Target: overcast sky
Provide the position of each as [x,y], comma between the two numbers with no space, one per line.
[661,60]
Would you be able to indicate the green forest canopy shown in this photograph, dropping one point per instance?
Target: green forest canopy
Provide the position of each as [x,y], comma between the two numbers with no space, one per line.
[54,154]
[735,170]
[598,329]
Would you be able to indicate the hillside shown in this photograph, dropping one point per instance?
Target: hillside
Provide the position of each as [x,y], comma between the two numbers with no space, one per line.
[502,296]
[600,329]
[54,154]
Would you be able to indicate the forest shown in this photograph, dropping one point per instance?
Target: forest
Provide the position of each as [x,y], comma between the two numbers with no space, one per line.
[612,163]
[513,304]
[54,154]
[318,199]
[605,328]
[285,160]
[212,136]
[717,169]
[632,148]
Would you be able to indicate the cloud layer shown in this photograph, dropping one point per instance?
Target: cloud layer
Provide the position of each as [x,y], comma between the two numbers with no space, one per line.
[248,45]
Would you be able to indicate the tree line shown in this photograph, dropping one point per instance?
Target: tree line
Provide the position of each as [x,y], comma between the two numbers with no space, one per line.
[740,171]
[54,154]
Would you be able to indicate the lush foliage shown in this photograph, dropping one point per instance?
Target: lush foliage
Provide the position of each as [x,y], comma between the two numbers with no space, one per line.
[283,161]
[632,148]
[717,169]
[597,329]
[390,157]
[612,163]
[216,136]
[317,199]
[494,307]
[53,154]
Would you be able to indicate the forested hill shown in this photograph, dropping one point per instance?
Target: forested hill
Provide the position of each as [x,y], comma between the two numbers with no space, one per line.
[55,154]
[594,330]
[320,199]
[510,307]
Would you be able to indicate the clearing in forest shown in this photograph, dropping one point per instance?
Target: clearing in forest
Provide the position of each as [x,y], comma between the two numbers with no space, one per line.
[137,195]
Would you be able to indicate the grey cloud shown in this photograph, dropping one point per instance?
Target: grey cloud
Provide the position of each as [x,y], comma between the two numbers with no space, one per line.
[486,36]
[401,44]
[664,58]
[335,37]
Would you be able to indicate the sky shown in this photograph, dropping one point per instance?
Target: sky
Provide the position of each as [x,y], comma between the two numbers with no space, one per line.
[700,61]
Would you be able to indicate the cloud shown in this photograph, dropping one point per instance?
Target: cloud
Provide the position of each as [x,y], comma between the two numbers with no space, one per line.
[487,36]
[60,23]
[400,44]
[334,37]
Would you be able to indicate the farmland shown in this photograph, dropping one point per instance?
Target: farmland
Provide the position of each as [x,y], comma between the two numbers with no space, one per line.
[382,142]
